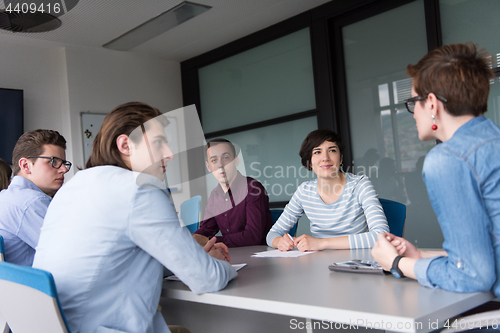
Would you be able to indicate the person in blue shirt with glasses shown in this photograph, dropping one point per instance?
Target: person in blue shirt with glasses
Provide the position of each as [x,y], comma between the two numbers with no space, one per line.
[39,168]
[462,174]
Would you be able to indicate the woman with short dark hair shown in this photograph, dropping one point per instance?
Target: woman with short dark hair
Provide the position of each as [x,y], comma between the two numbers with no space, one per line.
[343,208]
[462,174]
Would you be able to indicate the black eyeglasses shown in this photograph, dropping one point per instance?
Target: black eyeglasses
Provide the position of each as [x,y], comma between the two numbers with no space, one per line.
[410,102]
[55,162]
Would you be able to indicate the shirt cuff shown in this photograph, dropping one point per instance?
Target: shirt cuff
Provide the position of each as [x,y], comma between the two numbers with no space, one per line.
[270,237]
[420,270]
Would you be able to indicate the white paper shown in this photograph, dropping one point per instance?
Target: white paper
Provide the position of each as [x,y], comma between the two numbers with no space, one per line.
[278,254]
[237,267]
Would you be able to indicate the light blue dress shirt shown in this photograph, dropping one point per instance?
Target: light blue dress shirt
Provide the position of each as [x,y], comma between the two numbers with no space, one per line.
[105,239]
[462,176]
[22,209]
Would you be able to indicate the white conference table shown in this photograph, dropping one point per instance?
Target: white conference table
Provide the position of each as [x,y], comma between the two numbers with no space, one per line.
[304,287]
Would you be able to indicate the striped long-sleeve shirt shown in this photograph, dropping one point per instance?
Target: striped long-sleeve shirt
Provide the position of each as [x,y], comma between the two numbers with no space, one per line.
[357,213]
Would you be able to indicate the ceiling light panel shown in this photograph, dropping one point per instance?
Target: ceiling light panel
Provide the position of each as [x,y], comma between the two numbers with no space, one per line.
[156,26]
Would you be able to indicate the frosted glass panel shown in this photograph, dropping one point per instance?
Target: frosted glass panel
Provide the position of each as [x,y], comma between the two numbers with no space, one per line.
[475,21]
[271,156]
[383,134]
[269,81]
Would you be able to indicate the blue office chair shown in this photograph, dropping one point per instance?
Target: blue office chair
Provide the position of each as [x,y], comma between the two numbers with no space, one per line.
[29,300]
[190,213]
[276,213]
[4,328]
[396,215]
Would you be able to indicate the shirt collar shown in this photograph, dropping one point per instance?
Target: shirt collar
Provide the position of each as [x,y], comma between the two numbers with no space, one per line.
[19,181]
[236,184]
[474,121]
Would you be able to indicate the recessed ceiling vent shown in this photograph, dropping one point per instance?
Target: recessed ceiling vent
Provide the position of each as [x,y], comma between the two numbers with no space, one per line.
[157,25]
[28,22]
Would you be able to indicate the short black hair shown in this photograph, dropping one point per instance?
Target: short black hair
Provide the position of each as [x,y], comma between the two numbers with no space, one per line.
[315,139]
[215,142]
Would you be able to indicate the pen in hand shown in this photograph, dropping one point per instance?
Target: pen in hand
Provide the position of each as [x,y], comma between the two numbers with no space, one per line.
[291,238]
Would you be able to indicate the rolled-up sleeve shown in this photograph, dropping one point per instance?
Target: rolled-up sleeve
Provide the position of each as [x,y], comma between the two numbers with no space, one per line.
[158,232]
[455,193]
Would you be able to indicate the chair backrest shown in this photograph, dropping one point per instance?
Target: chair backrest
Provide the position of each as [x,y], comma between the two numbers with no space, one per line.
[2,250]
[4,328]
[276,213]
[190,213]
[29,300]
[396,215]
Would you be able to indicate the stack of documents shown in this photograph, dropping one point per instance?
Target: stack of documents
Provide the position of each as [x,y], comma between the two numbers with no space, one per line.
[278,254]
[175,278]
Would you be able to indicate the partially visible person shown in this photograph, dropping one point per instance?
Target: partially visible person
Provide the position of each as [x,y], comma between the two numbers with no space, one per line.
[106,238]
[5,174]
[39,162]
[462,174]
[343,208]
[239,206]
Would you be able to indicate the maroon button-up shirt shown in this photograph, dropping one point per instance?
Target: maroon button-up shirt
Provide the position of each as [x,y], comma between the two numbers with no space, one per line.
[241,214]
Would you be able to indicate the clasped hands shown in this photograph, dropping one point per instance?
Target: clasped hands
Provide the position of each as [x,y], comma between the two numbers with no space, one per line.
[389,246]
[216,250]
[303,243]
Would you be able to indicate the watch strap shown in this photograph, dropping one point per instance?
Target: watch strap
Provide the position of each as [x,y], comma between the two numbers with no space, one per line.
[395,268]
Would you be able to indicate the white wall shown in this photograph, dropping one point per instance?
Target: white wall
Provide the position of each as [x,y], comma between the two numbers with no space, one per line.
[40,72]
[61,82]
[99,80]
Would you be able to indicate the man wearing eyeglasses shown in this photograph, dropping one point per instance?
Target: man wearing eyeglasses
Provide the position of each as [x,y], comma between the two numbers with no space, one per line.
[39,166]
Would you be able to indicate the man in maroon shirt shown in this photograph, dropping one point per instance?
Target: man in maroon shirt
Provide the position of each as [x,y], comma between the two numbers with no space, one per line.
[238,206]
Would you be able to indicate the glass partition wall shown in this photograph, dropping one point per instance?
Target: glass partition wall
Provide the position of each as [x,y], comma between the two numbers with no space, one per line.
[341,66]
[384,139]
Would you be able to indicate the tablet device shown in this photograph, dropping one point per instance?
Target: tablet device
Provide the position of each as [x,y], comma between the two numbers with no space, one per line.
[358,266]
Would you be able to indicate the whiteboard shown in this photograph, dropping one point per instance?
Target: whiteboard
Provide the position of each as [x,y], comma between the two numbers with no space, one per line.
[91,123]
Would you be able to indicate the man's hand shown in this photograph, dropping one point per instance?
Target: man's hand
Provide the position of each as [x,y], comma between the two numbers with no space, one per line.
[217,250]
[202,240]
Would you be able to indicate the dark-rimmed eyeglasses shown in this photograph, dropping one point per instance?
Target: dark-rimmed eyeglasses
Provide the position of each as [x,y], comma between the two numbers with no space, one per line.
[410,102]
[55,162]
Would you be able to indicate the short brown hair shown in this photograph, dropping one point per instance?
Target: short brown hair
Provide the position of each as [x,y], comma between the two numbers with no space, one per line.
[215,142]
[458,72]
[5,174]
[315,139]
[121,120]
[32,144]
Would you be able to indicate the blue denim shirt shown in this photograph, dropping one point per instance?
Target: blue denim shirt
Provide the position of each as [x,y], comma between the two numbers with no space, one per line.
[105,239]
[462,176]
[22,209]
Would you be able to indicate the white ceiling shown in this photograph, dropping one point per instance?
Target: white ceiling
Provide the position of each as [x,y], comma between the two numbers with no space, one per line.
[93,23]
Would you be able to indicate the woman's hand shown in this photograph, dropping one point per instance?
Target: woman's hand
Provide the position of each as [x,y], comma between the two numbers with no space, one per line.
[284,243]
[384,252]
[404,247]
[217,250]
[309,243]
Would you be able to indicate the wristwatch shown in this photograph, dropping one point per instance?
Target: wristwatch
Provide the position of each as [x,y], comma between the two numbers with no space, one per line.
[395,269]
